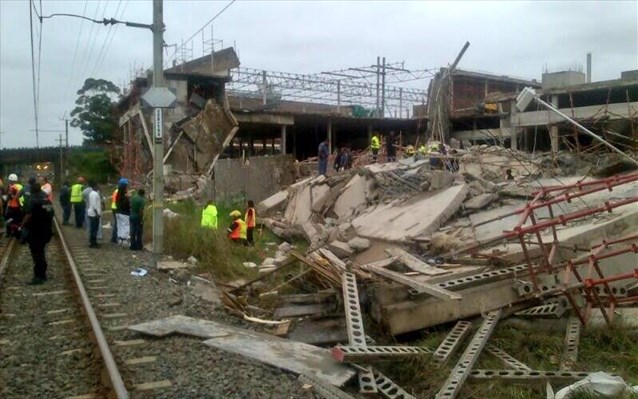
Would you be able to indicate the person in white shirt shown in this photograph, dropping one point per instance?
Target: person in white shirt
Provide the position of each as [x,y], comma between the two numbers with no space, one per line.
[94,212]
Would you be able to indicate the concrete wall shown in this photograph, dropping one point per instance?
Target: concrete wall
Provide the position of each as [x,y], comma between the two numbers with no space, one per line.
[257,180]
[563,79]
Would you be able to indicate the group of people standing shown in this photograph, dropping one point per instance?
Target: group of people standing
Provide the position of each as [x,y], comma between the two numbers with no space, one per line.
[240,231]
[88,205]
[28,214]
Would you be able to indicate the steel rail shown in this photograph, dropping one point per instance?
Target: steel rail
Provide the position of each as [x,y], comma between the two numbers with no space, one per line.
[115,383]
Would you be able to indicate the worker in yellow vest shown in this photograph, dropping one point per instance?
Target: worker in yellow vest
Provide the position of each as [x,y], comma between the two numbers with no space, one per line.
[209,216]
[251,222]
[78,202]
[114,212]
[237,230]
[375,145]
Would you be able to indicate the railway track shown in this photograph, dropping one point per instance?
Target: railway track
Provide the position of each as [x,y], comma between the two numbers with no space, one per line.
[51,341]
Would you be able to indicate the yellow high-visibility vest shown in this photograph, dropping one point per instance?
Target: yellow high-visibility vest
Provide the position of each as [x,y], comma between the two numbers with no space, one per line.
[209,217]
[76,193]
[376,143]
[114,199]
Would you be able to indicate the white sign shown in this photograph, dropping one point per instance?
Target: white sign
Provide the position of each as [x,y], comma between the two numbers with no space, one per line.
[158,124]
[159,97]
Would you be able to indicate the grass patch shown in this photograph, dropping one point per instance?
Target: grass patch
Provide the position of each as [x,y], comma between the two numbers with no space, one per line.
[217,255]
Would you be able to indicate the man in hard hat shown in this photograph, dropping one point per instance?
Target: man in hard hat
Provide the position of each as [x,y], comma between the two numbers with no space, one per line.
[209,216]
[78,202]
[237,231]
[15,201]
[375,146]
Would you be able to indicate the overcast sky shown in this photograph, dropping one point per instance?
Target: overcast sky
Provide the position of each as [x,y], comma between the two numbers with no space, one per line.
[515,38]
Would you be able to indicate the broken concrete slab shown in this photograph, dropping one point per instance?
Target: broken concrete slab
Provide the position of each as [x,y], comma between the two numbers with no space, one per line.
[273,203]
[341,249]
[206,290]
[440,179]
[289,355]
[359,243]
[480,201]
[299,209]
[303,310]
[320,332]
[167,265]
[310,232]
[352,197]
[414,263]
[419,216]
[320,196]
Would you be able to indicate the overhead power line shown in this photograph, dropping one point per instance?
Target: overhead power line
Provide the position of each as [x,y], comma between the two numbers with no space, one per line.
[75,52]
[200,30]
[35,102]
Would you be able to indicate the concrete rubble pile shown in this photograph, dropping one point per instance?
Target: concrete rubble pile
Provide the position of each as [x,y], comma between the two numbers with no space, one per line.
[400,247]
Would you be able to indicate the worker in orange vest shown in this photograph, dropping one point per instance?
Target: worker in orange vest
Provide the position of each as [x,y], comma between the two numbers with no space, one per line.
[237,230]
[46,188]
[15,202]
[251,217]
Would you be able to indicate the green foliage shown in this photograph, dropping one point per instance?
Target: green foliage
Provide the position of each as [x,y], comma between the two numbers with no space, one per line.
[94,165]
[94,113]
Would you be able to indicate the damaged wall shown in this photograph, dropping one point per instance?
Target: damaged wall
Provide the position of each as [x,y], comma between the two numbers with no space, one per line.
[258,179]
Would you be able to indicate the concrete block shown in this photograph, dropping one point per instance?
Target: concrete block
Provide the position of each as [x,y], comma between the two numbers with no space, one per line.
[419,216]
[352,196]
[341,249]
[480,201]
[273,203]
[359,244]
[299,209]
[167,265]
[268,262]
[206,290]
[440,179]
[320,196]
[285,247]
[310,232]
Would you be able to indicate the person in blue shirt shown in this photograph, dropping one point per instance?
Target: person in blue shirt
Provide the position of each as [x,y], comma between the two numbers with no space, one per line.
[323,154]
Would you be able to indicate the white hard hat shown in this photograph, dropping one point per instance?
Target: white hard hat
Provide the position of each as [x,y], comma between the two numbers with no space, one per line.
[13,177]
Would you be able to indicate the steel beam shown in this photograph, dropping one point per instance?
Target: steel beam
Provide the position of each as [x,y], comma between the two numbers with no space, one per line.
[572,338]
[463,368]
[389,389]
[507,359]
[533,376]
[327,391]
[372,353]
[452,341]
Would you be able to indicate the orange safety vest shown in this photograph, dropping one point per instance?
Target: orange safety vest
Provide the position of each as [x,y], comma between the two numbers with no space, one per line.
[250,217]
[239,232]
[114,199]
[16,200]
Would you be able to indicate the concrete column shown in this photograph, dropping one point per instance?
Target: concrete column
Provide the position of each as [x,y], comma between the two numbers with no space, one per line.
[553,130]
[329,136]
[294,143]
[283,139]
[370,131]
[513,122]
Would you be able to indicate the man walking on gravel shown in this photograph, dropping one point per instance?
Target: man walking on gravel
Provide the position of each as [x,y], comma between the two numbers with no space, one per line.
[137,220]
[94,211]
[78,203]
[38,224]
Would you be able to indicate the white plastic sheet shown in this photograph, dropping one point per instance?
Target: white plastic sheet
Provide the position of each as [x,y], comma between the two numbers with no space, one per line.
[599,383]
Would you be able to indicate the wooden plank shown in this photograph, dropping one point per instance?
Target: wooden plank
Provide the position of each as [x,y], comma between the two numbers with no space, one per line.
[422,287]
[146,132]
[333,259]
[414,263]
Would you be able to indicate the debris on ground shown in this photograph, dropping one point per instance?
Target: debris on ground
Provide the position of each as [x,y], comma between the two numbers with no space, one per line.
[397,248]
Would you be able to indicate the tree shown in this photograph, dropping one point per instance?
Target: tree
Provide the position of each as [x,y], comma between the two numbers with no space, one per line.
[94,113]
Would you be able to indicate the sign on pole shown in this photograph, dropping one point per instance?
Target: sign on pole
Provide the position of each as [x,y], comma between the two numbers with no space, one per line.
[158,125]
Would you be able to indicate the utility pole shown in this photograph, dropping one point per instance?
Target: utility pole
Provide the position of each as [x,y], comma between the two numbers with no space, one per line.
[383,89]
[158,127]
[61,169]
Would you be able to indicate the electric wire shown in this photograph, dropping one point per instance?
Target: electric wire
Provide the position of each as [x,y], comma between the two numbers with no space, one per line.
[106,38]
[110,41]
[69,90]
[35,105]
[201,29]
[89,60]
[84,58]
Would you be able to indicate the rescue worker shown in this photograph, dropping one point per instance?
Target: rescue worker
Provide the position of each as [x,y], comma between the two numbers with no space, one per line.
[26,198]
[237,230]
[390,148]
[251,217]
[65,202]
[409,151]
[15,201]
[114,212]
[38,224]
[323,153]
[46,187]
[209,216]
[137,220]
[94,212]
[78,202]
[421,153]
[123,210]
[375,146]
